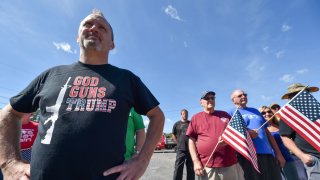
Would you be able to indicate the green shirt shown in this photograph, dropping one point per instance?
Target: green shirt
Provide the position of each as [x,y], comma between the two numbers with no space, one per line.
[135,123]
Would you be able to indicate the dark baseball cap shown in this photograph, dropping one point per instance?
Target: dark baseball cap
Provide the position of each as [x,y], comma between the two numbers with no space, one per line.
[205,93]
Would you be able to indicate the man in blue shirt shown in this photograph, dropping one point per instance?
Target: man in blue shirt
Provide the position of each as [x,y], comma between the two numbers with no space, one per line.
[263,141]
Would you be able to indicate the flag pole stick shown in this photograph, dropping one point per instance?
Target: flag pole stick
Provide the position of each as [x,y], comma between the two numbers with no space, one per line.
[219,140]
[212,152]
[266,122]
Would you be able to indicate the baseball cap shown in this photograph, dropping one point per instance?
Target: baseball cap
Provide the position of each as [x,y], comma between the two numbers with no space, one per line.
[205,93]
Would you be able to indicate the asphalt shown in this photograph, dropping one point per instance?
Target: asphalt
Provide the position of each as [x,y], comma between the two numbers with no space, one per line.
[161,166]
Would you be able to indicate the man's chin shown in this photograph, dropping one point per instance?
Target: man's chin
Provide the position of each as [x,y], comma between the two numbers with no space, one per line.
[90,44]
[210,106]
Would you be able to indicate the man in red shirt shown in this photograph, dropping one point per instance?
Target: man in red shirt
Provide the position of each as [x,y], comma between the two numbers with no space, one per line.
[204,131]
[29,132]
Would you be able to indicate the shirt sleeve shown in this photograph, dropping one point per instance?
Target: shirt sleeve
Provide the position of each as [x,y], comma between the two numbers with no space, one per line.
[144,100]
[174,129]
[285,130]
[191,131]
[27,101]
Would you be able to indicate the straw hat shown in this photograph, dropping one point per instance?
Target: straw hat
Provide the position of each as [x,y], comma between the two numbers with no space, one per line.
[294,88]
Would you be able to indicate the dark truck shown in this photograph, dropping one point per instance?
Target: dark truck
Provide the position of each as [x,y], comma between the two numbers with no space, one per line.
[170,143]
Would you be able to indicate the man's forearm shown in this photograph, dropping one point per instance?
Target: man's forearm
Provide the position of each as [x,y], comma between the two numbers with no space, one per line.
[291,145]
[154,132]
[193,150]
[140,138]
[174,137]
[10,126]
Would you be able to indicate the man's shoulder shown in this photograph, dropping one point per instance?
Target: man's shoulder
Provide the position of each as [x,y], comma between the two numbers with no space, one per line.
[251,109]
[177,123]
[116,68]
[221,114]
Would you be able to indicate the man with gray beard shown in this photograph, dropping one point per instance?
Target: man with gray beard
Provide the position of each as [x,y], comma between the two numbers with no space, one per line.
[84,110]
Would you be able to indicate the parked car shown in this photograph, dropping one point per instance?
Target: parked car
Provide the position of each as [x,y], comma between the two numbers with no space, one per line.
[161,143]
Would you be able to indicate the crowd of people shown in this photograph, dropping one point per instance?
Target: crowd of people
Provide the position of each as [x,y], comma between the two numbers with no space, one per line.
[85,103]
[282,153]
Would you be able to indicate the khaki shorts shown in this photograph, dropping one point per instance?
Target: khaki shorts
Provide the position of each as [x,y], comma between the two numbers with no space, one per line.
[233,172]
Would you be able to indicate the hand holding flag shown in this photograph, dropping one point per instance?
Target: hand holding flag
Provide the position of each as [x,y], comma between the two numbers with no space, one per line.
[237,136]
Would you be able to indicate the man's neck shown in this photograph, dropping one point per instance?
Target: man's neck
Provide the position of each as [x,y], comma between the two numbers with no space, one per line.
[93,58]
[184,120]
[209,111]
[241,106]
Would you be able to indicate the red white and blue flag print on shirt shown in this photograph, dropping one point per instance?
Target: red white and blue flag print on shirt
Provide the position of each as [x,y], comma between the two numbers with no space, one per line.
[302,114]
[237,136]
[26,154]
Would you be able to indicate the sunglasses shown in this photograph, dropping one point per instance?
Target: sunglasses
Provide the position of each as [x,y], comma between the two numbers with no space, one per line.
[265,112]
[209,98]
[240,95]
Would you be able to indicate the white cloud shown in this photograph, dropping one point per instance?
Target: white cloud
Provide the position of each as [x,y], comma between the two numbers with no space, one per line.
[255,68]
[265,98]
[266,49]
[169,120]
[287,78]
[285,28]
[64,46]
[185,44]
[172,12]
[280,54]
[302,71]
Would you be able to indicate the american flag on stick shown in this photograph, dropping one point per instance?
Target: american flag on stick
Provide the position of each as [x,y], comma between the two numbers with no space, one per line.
[302,113]
[237,136]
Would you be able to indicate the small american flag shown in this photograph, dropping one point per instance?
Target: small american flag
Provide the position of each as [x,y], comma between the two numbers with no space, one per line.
[302,114]
[237,136]
[26,154]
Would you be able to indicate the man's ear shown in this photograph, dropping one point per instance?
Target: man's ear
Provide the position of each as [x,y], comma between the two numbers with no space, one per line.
[78,39]
[112,46]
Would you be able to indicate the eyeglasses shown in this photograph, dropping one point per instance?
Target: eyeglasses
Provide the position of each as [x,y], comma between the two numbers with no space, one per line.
[209,98]
[240,95]
[265,112]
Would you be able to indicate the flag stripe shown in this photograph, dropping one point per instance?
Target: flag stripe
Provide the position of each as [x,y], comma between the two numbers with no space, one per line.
[237,136]
[287,119]
[238,142]
[300,116]
[301,124]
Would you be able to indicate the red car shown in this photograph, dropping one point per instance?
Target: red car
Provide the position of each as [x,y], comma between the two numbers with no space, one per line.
[161,144]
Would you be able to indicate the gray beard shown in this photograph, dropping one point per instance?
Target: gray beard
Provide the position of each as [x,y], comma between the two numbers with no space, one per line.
[91,44]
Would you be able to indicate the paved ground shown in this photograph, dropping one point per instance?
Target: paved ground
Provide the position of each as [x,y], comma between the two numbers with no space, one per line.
[161,166]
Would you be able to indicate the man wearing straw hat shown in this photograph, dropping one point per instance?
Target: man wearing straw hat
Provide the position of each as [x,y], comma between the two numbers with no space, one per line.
[212,158]
[305,155]
[262,139]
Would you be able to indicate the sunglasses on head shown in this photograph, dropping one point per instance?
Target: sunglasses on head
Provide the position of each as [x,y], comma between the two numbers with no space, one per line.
[265,112]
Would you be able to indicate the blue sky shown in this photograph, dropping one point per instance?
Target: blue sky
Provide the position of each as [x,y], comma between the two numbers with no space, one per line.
[178,48]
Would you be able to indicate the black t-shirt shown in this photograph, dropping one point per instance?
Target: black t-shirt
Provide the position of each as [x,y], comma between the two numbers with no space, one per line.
[285,130]
[83,118]
[179,130]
